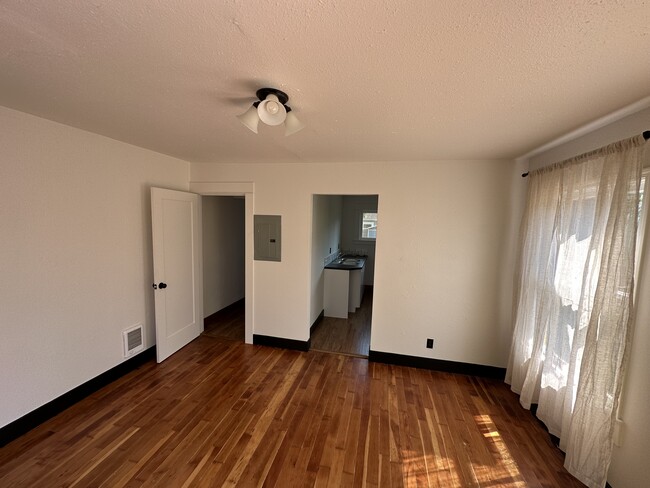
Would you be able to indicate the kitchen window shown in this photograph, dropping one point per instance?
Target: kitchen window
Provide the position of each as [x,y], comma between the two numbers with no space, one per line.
[368,226]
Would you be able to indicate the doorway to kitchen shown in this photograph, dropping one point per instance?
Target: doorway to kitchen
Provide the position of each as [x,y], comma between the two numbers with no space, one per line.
[344,235]
[223,223]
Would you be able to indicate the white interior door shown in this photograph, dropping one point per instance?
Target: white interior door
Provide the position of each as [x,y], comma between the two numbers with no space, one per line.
[176,232]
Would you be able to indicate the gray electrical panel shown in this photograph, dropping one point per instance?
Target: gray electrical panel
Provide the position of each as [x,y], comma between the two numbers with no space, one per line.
[267,237]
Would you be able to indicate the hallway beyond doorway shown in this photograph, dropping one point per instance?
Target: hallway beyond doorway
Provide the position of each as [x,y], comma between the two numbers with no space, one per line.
[227,323]
[346,336]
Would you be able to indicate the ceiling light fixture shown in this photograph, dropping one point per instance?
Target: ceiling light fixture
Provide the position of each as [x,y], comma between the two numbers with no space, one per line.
[272,109]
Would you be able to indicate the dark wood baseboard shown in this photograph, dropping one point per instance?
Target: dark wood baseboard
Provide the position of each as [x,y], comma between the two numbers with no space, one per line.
[262,340]
[317,321]
[438,365]
[45,412]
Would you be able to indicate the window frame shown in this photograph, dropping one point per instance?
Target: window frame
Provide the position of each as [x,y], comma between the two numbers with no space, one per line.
[360,221]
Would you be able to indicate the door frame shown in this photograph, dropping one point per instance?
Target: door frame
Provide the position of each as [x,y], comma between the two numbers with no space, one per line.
[311,246]
[245,189]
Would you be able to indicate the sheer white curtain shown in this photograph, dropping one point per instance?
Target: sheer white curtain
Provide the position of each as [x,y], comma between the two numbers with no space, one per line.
[573,302]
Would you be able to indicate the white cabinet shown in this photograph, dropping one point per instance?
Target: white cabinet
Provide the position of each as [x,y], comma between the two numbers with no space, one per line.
[343,291]
[337,289]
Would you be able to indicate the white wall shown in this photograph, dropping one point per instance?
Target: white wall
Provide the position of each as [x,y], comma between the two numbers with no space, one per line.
[622,129]
[440,254]
[629,468]
[326,238]
[352,205]
[223,252]
[75,255]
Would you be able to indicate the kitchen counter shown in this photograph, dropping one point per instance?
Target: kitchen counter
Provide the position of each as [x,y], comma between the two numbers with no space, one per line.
[347,263]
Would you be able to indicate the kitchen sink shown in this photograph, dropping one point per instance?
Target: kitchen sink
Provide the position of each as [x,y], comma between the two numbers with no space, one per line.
[348,261]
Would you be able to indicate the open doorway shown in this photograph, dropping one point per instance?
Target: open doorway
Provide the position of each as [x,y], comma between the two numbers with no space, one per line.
[344,233]
[223,222]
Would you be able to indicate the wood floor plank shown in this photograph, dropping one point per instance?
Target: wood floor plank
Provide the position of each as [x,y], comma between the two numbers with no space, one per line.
[223,413]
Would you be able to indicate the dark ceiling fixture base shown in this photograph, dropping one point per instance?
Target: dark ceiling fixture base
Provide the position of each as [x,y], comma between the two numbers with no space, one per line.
[262,93]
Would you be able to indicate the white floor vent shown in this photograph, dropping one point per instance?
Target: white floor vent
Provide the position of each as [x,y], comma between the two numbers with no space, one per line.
[133,340]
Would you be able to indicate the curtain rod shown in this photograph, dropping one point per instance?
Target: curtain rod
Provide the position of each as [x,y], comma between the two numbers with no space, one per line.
[646,136]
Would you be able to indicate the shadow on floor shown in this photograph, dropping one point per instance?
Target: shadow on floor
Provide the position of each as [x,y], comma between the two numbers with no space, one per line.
[227,323]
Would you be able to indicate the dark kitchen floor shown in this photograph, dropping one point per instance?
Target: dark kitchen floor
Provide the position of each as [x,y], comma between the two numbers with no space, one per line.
[346,336]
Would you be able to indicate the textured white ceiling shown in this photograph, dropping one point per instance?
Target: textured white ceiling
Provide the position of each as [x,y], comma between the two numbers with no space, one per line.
[371,79]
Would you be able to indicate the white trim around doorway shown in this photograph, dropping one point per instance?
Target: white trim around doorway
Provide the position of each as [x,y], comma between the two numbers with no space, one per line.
[245,189]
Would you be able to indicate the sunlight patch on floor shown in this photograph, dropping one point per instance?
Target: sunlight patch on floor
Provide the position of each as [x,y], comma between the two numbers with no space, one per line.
[439,470]
[506,471]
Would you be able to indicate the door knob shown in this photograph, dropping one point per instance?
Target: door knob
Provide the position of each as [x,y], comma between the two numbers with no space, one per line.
[162,285]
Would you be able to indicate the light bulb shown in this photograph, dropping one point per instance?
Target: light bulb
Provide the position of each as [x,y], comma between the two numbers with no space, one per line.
[272,107]
[271,111]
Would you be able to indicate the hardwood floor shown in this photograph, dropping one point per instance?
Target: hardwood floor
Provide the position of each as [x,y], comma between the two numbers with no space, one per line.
[225,413]
[227,323]
[346,336]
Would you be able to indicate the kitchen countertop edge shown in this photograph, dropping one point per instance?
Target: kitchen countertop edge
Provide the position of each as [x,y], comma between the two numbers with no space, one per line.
[345,267]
